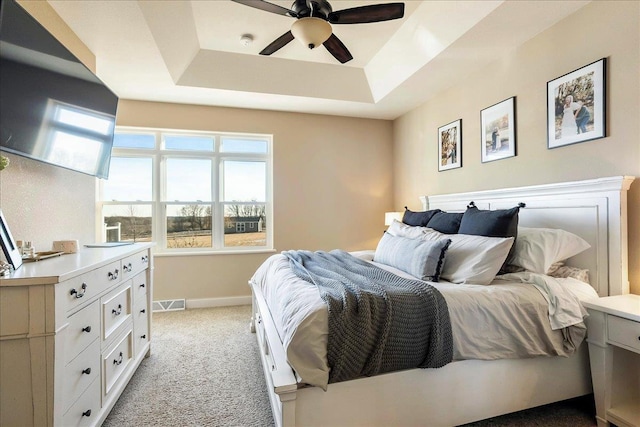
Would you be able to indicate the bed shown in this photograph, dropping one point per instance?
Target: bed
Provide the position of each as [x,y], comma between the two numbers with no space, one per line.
[466,390]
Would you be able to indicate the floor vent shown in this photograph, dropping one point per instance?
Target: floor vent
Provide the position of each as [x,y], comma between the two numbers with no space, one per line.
[169,305]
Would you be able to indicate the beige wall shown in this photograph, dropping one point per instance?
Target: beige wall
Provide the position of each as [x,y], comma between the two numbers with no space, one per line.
[580,39]
[332,184]
[43,203]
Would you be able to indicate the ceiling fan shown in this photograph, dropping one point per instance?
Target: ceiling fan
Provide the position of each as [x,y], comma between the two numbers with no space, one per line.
[313,22]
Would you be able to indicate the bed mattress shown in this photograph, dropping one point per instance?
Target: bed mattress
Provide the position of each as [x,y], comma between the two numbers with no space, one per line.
[519,315]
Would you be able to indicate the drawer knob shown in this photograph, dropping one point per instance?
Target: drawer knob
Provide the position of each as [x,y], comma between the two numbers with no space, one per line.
[145,259]
[114,275]
[144,310]
[87,413]
[118,311]
[118,361]
[86,371]
[143,336]
[142,285]
[127,268]
[86,329]
[79,294]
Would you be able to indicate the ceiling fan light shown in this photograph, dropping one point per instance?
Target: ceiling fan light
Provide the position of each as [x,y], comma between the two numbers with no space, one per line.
[311,32]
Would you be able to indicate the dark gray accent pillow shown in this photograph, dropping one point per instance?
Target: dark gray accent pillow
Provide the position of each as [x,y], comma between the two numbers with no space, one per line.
[418,219]
[497,223]
[446,222]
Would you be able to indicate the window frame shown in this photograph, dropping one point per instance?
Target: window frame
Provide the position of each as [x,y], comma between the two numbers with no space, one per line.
[159,155]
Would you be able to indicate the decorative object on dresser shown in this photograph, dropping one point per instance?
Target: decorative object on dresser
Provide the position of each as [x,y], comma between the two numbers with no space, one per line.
[73,330]
[498,130]
[576,106]
[614,350]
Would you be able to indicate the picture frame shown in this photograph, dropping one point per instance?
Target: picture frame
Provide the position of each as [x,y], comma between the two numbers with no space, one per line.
[450,146]
[498,130]
[576,110]
[9,247]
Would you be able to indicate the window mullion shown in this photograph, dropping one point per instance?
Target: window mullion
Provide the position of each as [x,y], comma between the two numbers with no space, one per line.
[217,211]
[160,211]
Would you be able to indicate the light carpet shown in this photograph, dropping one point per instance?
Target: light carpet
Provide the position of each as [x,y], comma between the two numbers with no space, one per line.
[204,370]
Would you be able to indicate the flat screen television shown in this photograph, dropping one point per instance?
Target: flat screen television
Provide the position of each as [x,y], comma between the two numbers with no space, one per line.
[52,108]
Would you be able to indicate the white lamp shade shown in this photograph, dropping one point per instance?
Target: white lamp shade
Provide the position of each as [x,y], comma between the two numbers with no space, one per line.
[311,32]
[390,216]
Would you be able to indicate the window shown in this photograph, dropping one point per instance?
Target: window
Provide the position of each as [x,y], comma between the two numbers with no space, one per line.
[189,191]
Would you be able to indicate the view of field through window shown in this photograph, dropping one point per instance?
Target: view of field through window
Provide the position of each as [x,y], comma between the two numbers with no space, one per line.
[188,226]
[187,191]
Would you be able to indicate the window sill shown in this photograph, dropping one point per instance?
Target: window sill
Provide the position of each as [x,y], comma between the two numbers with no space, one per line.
[206,253]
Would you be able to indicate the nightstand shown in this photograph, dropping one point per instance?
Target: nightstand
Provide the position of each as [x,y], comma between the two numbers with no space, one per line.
[614,351]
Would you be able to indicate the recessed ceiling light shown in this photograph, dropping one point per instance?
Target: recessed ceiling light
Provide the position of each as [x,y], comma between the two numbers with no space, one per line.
[246,39]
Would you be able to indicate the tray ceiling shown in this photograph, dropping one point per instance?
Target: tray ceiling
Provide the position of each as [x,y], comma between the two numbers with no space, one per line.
[190,52]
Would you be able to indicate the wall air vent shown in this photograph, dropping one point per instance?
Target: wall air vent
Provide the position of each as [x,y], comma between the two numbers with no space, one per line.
[169,305]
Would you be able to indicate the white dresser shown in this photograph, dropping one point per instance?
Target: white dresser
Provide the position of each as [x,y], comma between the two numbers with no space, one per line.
[73,330]
[614,351]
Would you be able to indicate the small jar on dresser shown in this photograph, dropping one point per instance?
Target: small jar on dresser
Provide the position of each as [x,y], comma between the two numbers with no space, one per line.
[73,330]
[614,352]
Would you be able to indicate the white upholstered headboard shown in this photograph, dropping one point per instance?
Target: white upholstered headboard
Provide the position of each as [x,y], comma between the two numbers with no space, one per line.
[595,209]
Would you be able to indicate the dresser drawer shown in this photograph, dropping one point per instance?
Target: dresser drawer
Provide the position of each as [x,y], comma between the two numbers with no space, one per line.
[115,361]
[140,325]
[84,287]
[624,332]
[109,274]
[135,263]
[83,329]
[116,309]
[81,289]
[86,410]
[81,372]
[140,285]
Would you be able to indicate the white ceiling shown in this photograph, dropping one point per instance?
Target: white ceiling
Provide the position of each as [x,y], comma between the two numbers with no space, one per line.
[189,51]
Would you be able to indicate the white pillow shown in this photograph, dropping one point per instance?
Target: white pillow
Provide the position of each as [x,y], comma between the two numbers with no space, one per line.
[537,249]
[420,258]
[472,259]
[401,229]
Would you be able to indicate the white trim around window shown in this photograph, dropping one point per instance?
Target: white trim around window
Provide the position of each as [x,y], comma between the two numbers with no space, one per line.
[172,210]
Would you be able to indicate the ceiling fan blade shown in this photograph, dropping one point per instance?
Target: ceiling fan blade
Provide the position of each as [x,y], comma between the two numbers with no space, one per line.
[268,7]
[338,49]
[366,14]
[277,43]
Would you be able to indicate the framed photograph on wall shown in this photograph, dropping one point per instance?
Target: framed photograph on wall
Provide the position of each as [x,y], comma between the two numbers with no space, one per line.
[498,128]
[576,106]
[450,146]
[9,247]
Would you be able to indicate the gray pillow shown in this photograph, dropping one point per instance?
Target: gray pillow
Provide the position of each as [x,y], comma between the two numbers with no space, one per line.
[420,258]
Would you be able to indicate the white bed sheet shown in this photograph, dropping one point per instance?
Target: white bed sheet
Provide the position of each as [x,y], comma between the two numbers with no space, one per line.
[507,319]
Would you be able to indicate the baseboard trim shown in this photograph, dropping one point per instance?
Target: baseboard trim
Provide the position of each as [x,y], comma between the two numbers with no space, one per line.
[218,302]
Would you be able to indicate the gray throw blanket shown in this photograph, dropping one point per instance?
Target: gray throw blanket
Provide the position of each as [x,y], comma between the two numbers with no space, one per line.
[378,321]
